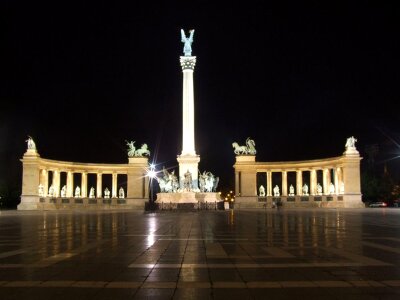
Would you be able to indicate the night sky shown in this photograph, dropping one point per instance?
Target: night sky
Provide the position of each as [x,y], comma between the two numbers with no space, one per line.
[81,78]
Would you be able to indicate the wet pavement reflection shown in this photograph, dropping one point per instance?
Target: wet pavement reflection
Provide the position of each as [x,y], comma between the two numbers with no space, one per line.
[241,254]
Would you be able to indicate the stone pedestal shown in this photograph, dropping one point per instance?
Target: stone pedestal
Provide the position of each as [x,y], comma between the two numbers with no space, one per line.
[187,197]
[30,180]
[191,163]
[138,182]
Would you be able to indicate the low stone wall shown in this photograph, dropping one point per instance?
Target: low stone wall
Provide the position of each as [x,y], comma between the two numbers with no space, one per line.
[333,201]
[49,203]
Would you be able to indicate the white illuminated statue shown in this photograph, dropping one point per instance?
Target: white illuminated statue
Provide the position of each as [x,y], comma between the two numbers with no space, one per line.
[41,190]
[121,193]
[51,191]
[30,143]
[351,142]
[319,189]
[305,189]
[91,192]
[276,191]
[331,188]
[64,191]
[261,191]
[291,191]
[106,193]
[187,41]
[77,192]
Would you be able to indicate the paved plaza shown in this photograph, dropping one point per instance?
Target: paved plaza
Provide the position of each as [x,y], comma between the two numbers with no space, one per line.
[236,254]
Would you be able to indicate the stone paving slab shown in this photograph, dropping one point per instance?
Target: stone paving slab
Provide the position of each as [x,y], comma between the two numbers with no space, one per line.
[246,254]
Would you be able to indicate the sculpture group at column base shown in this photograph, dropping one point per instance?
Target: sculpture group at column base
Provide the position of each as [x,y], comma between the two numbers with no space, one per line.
[187,197]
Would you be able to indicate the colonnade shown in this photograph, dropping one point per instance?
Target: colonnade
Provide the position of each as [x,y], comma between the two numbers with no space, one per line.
[41,175]
[338,177]
[71,185]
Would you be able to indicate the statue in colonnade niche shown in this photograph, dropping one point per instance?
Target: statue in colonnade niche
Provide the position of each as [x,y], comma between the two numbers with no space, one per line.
[276,191]
[91,192]
[77,192]
[187,41]
[305,189]
[331,188]
[51,191]
[319,189]
[106,193]
[30,143]
[261,191]
[64,191]
[291,191]
[121,193]
[41,190]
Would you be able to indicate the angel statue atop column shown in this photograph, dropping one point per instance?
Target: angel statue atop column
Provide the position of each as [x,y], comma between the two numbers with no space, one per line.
[187,48]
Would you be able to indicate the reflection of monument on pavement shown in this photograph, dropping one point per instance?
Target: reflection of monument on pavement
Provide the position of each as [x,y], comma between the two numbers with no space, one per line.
[191,189]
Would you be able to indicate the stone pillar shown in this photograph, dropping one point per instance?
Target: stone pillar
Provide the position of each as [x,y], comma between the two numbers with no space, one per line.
[30,180]
[44,180]
[99,185]
[284,183]
[313,182]
[188,160]
[188,147]
[326,178]
[114,186]
[138,184]
[84,187]
[351,179]
[299,183]
[56,182]
[269,183]
[341,184]
[237,183]
[70,184]
[336,180]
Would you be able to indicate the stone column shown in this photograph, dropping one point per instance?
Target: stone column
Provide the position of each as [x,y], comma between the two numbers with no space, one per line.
[70,184]
[237,183]
[99,185]
[269,183]
[284,183]
[44,180]
[341,183]
[326,178]
[56,182]
[188,160]
[138,187]
[351,179]
[30,180]
[114,186]
[84,187]
[313,182]
[299,183]
[336,179]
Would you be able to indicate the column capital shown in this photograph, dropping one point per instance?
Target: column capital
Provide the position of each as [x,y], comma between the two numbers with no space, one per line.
[188,62]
